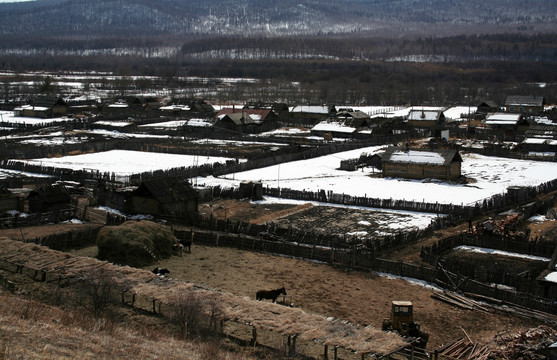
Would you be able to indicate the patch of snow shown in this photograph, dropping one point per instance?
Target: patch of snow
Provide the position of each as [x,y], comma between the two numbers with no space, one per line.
[500,252]
[413,281]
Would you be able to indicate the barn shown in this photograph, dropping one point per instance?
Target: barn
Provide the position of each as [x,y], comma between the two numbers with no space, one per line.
[43,107]
[421,164]
[168,196]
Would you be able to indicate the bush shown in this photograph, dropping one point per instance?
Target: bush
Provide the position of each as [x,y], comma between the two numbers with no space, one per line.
[135,243]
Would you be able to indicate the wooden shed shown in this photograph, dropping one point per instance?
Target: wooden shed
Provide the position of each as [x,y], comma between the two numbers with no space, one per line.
[421,163]
[49,198]
[168,196]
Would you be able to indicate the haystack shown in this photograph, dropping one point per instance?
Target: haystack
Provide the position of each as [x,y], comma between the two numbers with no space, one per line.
[135,243]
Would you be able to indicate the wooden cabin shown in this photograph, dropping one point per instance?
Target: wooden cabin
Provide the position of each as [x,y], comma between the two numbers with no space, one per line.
[426,118]
[528,105]
[43,107]
[311,114]
[168,196]
[49,198]
[421,164]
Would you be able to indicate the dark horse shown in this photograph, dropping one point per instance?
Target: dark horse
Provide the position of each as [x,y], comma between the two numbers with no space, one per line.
[270,294]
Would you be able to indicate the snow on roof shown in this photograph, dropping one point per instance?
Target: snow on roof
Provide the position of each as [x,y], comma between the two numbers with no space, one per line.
[539,141]
[113,123]
[31,107]
[423,115]
[502,119]
[333,126]
[420,156]
[175,107]
[417,157]
[310,109]
[199,123]
[552,277]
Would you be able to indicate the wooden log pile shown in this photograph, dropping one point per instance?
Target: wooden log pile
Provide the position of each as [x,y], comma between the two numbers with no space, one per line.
[530,344]
[464,348]
[460,301]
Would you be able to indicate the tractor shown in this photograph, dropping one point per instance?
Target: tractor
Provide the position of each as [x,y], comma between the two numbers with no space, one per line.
[402,321]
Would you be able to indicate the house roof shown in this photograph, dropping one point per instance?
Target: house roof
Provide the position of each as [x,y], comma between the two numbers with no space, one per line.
[238,119]
[257,115]
[519,100]
[48,101]
[334,126]
[541,132]
[502,119]
[421,156]
[311,109]
[425,115]
[167,190]
[489,103]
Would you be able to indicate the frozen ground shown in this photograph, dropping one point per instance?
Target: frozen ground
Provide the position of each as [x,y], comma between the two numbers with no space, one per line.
[487,175]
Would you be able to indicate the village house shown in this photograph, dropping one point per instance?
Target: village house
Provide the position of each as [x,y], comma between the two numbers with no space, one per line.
[279,109]
[311,114]
[510,124]
[426,118]
[486,107]
[49,198]
[245,120]
[43,107]
[527,105]
[421,164]
[168,196]
[540,139]
[188,107]
[344,122]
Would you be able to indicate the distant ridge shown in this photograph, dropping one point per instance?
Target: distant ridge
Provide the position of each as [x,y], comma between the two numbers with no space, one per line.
[261,17]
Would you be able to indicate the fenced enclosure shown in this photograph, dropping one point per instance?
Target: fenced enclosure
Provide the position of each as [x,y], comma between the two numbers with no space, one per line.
[366,260]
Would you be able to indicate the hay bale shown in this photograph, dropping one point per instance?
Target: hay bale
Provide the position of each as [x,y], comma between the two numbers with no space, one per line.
[135,243]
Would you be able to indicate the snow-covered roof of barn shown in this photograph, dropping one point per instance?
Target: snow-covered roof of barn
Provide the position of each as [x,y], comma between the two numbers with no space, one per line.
[425,115]
[312,109]
[421,156]
[333,126]
[502,119]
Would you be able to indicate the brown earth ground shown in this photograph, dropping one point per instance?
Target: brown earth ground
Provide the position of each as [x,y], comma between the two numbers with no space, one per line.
[358,297]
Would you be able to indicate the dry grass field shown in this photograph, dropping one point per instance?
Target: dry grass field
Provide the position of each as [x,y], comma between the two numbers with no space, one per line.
[360,298]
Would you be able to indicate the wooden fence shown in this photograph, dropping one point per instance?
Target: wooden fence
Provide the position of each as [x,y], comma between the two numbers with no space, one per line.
[365,259]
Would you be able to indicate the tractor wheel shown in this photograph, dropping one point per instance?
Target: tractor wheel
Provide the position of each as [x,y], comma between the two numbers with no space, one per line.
[387,325]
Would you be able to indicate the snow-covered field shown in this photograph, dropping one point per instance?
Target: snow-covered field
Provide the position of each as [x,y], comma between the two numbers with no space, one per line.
[490,175]
[124,162]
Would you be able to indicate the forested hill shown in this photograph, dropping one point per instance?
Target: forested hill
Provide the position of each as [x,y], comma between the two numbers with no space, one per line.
[264,17]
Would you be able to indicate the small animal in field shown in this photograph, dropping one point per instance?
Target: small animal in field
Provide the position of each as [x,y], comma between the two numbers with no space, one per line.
[161,271]
[270,294]
[186,244]
[178,249]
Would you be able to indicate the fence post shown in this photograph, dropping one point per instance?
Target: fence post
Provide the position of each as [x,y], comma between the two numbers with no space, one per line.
[326,352]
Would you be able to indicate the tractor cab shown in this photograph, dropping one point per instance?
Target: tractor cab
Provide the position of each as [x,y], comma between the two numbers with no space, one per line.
[402,321]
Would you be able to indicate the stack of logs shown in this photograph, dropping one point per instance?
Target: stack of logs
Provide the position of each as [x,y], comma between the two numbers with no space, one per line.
[464,349]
